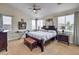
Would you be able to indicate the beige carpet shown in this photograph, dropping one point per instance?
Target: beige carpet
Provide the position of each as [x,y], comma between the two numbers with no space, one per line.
[17,47]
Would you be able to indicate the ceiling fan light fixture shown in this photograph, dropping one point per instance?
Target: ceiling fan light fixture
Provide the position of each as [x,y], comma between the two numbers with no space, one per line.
[34,11]
[35,8]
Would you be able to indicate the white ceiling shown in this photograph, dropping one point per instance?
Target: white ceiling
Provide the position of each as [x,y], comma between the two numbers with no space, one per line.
[46,8]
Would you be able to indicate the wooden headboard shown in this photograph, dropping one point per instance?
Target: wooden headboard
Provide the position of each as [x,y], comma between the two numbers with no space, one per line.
[50,28]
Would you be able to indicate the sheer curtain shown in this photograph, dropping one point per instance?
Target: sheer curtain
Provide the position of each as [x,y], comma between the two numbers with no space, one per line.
[76,28]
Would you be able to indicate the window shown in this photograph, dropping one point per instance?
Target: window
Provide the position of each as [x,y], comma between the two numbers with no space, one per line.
[70,23]
[37,24]
[7,22]
[33,25]
[66,21]
[61,21]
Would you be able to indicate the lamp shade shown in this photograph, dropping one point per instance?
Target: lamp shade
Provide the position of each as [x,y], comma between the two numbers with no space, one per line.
[62,27]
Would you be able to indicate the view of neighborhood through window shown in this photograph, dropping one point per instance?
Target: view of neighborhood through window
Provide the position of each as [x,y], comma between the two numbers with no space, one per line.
[7,22]
[66,21]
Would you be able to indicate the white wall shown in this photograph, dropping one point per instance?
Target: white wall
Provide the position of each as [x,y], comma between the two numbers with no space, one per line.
[50,23]
[15,13]
[6,9]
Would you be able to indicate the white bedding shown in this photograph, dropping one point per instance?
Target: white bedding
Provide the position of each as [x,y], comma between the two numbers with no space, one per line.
[42,35]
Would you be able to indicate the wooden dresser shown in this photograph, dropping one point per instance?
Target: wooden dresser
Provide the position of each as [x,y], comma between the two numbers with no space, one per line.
[63,37]
[3,41]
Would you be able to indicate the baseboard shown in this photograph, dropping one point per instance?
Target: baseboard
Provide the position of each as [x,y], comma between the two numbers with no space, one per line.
[13,40]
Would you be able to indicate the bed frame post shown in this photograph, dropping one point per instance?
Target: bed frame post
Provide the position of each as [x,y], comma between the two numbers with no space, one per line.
[26,35]
[42,46]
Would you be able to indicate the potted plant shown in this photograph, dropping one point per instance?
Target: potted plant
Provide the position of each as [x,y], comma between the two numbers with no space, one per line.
[63,28]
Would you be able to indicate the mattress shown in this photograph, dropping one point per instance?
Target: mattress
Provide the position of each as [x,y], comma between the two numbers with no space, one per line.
[41,35]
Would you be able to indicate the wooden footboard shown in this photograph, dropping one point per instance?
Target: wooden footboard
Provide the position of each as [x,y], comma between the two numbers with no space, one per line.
[39,42]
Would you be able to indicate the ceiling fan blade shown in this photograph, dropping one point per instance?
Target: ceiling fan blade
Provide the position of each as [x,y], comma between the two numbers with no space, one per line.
[59,3]
[37,8]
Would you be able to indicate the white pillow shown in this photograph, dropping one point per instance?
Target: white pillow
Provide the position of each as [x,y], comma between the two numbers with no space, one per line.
[51,31]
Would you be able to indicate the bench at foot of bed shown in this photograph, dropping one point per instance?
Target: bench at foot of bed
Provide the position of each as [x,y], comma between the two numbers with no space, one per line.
[31,43]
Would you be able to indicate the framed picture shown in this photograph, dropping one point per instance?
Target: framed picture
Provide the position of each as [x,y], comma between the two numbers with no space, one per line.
[22,25]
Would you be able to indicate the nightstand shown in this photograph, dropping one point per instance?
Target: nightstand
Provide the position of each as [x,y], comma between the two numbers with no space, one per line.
[63,38]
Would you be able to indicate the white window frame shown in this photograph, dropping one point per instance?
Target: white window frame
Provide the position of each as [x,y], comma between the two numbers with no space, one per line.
[36,25]
[65,23]
[39,24]
[33,25]
[5,22]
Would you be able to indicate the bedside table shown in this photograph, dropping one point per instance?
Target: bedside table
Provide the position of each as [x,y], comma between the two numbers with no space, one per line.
[63,38]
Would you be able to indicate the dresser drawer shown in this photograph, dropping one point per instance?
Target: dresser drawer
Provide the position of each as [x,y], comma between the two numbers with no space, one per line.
[3,40]
[1,44]
[63,38]
[59,37]
[3,35]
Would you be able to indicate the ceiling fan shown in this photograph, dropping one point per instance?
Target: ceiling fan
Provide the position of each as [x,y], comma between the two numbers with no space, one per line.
[35,8]
[59,3]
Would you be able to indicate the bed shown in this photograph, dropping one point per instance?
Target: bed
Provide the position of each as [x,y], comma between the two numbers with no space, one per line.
[43,36]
